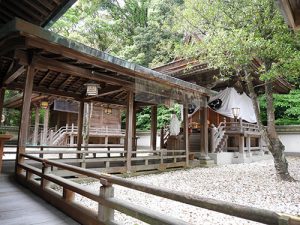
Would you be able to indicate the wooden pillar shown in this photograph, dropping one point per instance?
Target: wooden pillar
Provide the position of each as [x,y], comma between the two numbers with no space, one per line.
[46,125]
[129,129]
[248,143]
[204,131]
[241,148]
[23,131]
[36,125]
[2,94]
[79,126]
[153,128]
[186,133]
[134,138]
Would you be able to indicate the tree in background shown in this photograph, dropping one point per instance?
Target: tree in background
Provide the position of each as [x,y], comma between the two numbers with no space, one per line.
[233,34]
[139,31]
[287,108]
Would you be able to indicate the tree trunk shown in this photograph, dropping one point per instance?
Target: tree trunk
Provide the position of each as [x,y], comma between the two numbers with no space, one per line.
[270,135]
[277,148]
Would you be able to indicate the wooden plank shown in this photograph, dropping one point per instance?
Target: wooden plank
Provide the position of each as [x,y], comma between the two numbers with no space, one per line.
[15,199]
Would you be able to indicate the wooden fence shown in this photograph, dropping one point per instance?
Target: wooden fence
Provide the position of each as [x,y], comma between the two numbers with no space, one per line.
[38,180]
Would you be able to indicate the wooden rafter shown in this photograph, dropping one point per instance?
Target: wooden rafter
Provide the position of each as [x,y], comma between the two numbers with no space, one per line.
[15,72]
[45,63]
[45,77]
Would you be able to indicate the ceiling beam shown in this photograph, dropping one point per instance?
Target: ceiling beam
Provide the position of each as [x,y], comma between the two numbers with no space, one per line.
[16,71]
[41,62]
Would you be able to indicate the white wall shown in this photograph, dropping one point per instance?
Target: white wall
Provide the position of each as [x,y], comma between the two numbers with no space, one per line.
[291,142]
[144,140]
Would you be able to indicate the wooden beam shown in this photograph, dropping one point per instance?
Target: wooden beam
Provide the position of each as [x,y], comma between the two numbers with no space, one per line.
[153,128]
[44,90]
[44,78]
[23,129]
[14,74]
[106,91]
[186,132]
[129,129]
[41,62]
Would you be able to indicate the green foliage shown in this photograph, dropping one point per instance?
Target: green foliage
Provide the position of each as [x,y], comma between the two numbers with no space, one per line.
[144,117]
[235,32]
[139,31]
[287,108]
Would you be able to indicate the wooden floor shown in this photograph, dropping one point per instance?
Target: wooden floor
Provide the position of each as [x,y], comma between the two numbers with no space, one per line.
[19,206]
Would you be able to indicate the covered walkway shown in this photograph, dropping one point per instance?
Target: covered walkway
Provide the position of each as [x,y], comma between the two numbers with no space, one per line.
[20,206]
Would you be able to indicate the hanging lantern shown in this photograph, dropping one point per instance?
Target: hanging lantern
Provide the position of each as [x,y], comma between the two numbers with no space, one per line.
[108,110]
[92,89]
[44,104]
[235,112]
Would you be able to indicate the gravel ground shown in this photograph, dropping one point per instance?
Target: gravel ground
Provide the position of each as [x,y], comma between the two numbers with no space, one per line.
[247,184]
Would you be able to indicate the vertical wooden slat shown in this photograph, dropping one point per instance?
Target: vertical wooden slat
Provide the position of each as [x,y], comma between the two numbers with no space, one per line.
[46,125]
[186,133]
[129,129]
[36,125]
[80,125]
[23,131]
[153,128]
[204,130]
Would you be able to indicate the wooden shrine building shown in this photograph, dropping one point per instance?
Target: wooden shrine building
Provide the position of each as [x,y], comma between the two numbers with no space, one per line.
[38,61]
[227,136]
[42,64]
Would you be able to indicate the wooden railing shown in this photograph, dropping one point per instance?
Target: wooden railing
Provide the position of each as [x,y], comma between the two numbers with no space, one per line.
[38,180]
[111,158]
[54,138]
[242,127]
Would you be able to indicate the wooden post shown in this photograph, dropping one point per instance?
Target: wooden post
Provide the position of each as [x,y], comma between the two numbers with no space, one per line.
[241,148]
[212,138]
[2,94]
[161,138]
[204,131]
[79,126]
[106,214]
[23,131]
[46,169]
[134,141]
[36,125]
[186,134]
[45,127]
[68,195]
[248,142]
[129,129]
[153,128]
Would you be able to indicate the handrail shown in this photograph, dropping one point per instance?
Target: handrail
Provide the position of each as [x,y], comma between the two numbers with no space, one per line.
[233,209]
